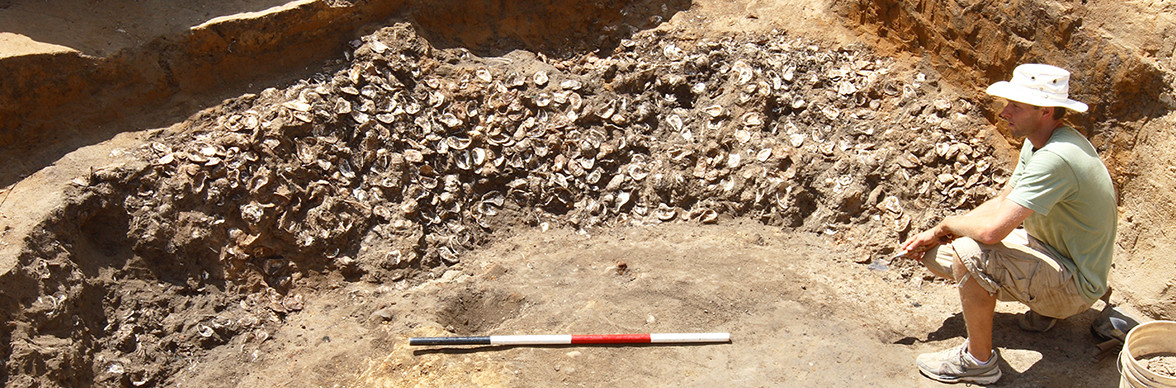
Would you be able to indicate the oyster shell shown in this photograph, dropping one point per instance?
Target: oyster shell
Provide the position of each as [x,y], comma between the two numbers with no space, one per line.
[543,99]
[942,148]
[593,177]
[798,103]
[166,159]
[575,102]
[742,72]
[705,216]
[846,88]
[458,142]
[742,135]
[478,155]
[831,112]
[571,84]
[412,107]
[796,140]
[665,213]
[672,52]
[622,198]
[764,154]
[463,160]
[342,107]
[484,75]
[450,120]
[908,160]
[297,105]
[891,204]
[378,47]
[715,111]
[734,160]
[698,88]
[752,120]
[638,171]
[981,166]
[413,156]
[942,105]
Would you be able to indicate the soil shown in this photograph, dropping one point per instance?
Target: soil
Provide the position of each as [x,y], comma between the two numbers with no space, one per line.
[1163,365]
[799,314]
[295,226]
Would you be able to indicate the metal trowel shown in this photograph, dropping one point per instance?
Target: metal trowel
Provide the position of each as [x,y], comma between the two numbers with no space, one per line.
[883,264]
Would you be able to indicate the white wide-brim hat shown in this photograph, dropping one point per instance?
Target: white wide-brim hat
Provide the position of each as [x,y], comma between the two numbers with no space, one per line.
[1039,85]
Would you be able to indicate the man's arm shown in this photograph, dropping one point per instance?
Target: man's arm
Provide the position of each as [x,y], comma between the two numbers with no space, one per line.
[989,226]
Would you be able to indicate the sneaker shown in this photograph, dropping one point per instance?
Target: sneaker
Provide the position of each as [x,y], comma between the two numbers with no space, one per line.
[1032,321]
[954,366]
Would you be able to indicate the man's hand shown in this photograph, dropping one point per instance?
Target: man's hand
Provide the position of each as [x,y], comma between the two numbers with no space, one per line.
[920,243]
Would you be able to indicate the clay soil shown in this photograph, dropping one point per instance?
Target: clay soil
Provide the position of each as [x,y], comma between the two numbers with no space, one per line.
[800,298]
[799,314]
[1163,365]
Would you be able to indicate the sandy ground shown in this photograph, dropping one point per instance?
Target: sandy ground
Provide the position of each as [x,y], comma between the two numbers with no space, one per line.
[104,28]
[799,313]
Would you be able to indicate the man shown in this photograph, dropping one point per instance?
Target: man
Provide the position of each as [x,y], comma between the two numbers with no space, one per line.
[1058,264]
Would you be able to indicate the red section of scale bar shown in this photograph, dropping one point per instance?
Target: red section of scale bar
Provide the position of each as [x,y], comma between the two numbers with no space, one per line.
[611,339]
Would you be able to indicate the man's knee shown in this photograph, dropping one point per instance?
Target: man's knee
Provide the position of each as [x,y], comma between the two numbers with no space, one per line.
[958,269]
[938,260]
[947,260]
[965,250]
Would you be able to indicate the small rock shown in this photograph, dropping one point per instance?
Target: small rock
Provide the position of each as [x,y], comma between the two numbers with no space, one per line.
[383,315]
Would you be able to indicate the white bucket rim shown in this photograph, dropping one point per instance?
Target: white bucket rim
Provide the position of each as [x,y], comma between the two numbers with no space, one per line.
[1129,366]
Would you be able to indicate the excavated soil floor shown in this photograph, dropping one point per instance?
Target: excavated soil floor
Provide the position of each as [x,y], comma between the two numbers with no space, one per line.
[739,168]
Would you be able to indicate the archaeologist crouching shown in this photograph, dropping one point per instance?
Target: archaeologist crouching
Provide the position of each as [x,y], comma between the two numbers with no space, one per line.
[1058,264]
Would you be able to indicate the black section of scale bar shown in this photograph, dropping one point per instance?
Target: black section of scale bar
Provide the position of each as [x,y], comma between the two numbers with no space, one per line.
[484,340]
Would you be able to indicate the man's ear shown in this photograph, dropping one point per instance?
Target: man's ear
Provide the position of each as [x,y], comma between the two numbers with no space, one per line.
[1048,111]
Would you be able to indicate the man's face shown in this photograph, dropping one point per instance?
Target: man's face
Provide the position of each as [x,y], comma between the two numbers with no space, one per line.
[1023,118]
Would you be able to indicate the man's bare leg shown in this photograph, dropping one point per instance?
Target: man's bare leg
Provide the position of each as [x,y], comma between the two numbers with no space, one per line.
[979,306]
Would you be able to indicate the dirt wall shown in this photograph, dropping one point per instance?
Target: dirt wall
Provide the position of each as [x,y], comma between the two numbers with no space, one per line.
[1126,79]
[50,99]
[979,42]
[552,26]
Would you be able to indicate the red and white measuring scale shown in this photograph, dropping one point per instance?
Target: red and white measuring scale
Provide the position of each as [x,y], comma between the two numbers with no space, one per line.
[564,339]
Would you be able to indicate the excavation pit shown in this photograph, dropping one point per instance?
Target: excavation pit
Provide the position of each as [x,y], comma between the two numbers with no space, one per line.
[455,179]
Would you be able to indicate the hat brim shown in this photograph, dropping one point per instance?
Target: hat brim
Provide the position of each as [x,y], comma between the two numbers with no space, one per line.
[1029,96]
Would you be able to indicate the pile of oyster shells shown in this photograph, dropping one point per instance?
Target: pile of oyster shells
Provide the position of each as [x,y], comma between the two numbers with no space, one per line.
[408,156]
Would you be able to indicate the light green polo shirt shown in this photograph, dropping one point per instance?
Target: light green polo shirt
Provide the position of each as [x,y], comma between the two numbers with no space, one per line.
[1073,202]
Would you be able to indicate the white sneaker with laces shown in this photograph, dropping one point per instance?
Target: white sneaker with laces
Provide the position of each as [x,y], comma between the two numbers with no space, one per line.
[955,366]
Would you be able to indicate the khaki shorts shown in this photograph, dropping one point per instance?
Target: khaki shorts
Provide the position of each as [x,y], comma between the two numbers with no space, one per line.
[1019,268]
